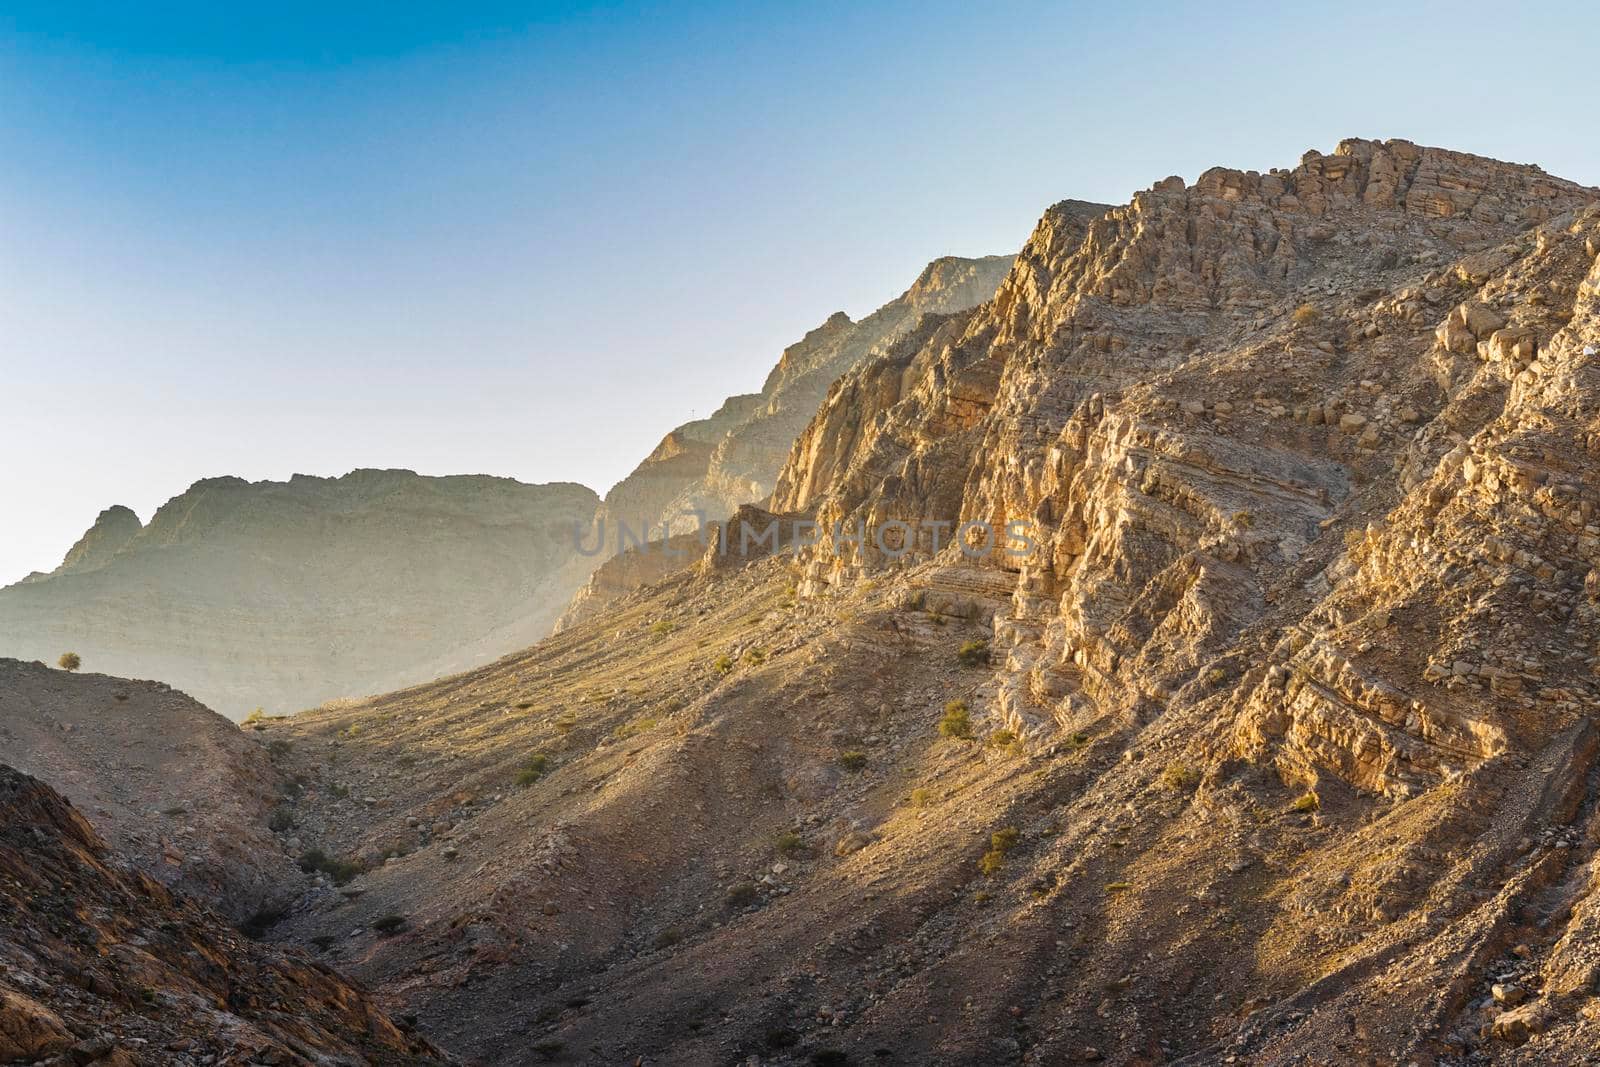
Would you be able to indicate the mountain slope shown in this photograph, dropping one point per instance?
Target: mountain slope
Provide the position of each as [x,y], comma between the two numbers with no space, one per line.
[702,471]
[174,786]
[1277,747]
[283,595]
[100,964]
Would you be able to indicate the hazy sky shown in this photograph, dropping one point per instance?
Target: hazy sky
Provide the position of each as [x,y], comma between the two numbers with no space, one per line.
[257,239]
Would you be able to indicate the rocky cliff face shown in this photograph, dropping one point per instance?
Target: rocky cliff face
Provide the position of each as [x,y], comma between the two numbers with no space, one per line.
[702,471]
[1269,740]
[101,964]
[283,595]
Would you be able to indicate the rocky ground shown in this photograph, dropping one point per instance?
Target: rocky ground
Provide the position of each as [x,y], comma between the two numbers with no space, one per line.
[101,964]
[171,784]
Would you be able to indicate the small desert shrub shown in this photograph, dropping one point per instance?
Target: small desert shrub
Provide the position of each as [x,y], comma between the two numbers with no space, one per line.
[1005,741]
[1304,315]
[742,895]
[756,656]
[1000,842]
[549,1048]
[667,938]
[524,705]
[1078,740]
[1178,776]
[663,627]
[254,717]
[1216,676]
[957,721]
[353,731]
[921,797]
[724,664]
[853,760]
[780,1038]
[1243,519]
[69,661]
[341,871]
[566,724]
[635,728]
[1306,802]
[390,924]
[535,768]
[974,653]
[281,821]
[789,843]
[323,942]
[278,747]
[1118,887]
[339,792]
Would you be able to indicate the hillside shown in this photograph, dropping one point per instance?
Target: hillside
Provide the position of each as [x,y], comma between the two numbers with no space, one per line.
[172,785]
[281,595]
[99,964]
[704,470]
[1274,744]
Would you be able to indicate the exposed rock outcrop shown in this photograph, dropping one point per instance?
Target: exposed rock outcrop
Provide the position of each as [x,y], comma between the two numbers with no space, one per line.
[702,471]
[101,964]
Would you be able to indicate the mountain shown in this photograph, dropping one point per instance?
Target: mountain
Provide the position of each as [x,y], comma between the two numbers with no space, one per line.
[100,964]
[1203,672]
[282,595]
[1266,736]
[702,471]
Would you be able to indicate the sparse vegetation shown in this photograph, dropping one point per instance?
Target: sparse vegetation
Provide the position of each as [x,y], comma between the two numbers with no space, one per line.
[1306,802]
[789,843]
[1216,676]
[390,924]
[281,821]
[957,721]
[1004,741]
[742,895]
[974,653]
[635,728]
[667,938]
[566,723]
[921,797]
[853,760]
[69,661]
[340,871]
[663,627]
[724,664]
[534,768]
[254,717]
[1178,776]
[1118,887]
[1304,315]
[755,657]
[1000,842]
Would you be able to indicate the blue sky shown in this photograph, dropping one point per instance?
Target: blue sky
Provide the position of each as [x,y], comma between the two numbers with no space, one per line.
[529,239]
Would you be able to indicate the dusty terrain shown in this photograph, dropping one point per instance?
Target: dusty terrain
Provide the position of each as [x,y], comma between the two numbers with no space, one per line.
[101,964]
[1276,745]
[168,782]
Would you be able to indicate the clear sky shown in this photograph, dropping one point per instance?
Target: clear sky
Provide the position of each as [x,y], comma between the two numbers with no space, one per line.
[528,239]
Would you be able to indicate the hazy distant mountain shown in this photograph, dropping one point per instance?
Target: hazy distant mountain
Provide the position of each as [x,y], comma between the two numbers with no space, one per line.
[713,465]
[283,595]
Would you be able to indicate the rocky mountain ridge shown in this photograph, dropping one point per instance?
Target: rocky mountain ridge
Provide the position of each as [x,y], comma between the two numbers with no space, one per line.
[1276,747]
[703,471]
